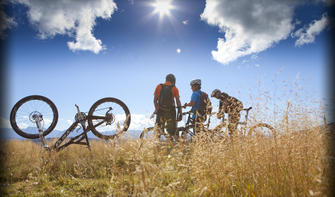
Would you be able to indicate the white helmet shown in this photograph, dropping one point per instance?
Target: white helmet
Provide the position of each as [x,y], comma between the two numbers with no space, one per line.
[195,82]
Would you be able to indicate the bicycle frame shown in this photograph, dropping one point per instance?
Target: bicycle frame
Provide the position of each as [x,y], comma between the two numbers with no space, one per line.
[243,124]
[189,124]
[81,119]
[186,128]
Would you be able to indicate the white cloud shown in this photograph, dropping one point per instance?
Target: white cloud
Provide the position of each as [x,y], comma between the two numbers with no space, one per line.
[178,50]
[141,121]
[70,17]
[69,122]
[63,124]
[249,26]
[307,34]
[254,57]
[185,22]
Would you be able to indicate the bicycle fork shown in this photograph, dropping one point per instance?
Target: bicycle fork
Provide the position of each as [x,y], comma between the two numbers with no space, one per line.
[38,119]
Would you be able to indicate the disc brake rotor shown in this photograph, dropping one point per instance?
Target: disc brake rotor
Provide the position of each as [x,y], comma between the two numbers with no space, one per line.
[35,116]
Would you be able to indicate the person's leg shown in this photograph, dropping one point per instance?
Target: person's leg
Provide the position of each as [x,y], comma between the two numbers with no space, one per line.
[172,124]
[160,121]
[196,125]
[158,118]
[233,119]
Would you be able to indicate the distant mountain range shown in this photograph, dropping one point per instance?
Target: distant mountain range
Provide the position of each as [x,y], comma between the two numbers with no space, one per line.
[9,133]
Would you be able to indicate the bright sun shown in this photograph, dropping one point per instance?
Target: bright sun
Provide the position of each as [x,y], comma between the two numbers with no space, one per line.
[162,7]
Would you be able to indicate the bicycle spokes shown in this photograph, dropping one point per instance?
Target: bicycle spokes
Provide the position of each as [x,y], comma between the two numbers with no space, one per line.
[109,118]
[34,115]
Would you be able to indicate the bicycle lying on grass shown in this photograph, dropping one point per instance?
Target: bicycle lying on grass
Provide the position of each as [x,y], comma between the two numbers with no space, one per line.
[36,116]
[221,130]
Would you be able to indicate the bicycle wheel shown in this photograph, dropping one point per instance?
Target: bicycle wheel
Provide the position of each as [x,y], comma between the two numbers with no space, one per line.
[108,118]
[30,109]
[220,132]
[262,129]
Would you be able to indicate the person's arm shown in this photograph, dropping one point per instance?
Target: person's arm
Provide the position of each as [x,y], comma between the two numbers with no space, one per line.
[192,102]
[156,98]
[175,93]
[178,104]
[180,113]
[225,106]
[189,104]
[219,113]
[156,103]
[220,105]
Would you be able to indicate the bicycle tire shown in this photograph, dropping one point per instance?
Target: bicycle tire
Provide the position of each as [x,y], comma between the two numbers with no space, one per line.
[20,103]
[220,132]
[112,102]
[252,129]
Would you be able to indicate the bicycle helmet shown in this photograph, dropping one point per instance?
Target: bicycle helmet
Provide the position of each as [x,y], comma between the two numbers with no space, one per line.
[195,82]
[215,92]
[171,78]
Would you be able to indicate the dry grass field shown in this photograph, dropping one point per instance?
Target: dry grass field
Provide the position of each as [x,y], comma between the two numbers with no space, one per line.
[295,163]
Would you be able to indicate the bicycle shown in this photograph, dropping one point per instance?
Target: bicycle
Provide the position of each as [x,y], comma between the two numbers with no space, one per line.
[221,130]
[188,130]
[36,116]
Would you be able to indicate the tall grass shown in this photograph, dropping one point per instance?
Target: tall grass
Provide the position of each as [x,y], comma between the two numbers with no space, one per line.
[293,164]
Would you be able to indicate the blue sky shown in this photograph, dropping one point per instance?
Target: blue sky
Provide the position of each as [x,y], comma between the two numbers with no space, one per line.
[139,49]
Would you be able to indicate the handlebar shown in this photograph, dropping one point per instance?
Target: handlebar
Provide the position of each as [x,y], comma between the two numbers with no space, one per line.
[247,109]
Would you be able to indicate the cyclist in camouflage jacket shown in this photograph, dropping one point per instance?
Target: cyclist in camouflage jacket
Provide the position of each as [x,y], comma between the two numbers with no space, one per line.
[229,105]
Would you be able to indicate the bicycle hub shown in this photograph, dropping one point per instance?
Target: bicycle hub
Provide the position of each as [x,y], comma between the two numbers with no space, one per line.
[35,116]
[109,117]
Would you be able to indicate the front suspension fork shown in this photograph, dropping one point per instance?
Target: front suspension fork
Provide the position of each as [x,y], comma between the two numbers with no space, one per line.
[38,121]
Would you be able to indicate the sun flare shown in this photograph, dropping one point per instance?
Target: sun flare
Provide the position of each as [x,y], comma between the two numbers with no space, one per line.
[162,7]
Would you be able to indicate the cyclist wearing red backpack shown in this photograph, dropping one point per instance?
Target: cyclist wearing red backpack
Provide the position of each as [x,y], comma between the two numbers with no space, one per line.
[164,100]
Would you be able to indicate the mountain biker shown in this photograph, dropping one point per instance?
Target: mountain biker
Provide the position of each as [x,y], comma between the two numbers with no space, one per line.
[197,102]
[165,96]
[229,105]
